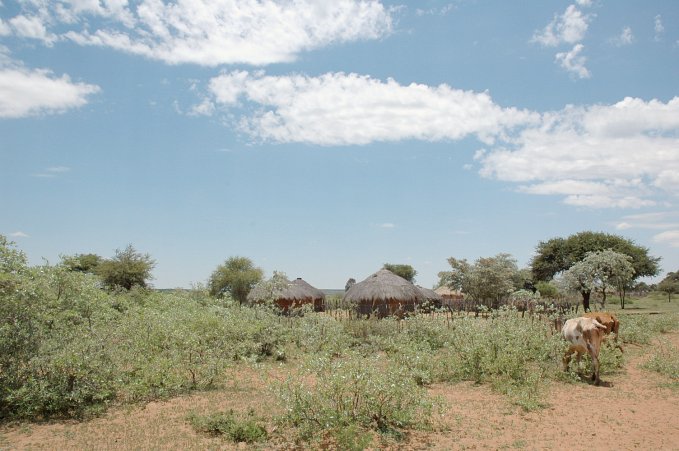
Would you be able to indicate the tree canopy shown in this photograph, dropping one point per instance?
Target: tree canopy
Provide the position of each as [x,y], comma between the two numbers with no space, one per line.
[670,285]
[87,263]
[405,271]
[600,270]
[559,254]
[128,268]
[236,276]
[488,280]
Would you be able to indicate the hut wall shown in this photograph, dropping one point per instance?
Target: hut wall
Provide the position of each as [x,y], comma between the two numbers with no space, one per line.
[383,309]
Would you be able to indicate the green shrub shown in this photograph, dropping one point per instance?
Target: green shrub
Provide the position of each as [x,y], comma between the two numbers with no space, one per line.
[227,424]
[54,357]
[665,360]
[369,393]
[639,329]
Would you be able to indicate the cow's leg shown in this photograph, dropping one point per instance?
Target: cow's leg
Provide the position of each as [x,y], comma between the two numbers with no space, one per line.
[566,359]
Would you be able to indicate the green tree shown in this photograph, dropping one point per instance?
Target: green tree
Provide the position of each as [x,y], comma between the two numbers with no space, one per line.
[405,271]
[13,263]
[87,263]
[670,285]
[489,280]
[128,268]
[236,276]
[547,290]
[601,270]
[559,254]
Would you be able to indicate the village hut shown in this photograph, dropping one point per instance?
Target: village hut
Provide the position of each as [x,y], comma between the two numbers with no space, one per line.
[384,294]
[433,300]
[450,298]
[288,295]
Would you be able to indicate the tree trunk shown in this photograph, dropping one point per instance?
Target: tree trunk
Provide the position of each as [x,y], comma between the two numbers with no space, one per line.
[585,300]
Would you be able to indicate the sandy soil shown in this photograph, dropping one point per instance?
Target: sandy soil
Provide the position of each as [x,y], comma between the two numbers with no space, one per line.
[631,411]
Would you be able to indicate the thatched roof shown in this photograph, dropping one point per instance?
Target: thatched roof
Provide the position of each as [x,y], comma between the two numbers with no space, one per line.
[446,292]
[430,295]
[384,286]
[297,290]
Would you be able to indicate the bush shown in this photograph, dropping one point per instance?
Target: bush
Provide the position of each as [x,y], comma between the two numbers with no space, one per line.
[368,393]
[665,360]
[54,356]
[227,424]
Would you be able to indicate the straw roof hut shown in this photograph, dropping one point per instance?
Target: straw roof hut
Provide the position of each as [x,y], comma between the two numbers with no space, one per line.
[384,293]
[434,299]
[447,293]
[288,294]
[451,298]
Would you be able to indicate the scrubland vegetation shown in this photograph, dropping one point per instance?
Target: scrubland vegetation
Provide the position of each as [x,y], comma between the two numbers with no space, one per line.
[70,349]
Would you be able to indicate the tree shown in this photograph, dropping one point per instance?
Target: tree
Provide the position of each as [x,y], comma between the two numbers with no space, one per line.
[87,263]
[601,270]
[559,254]
[128,268]
[350,283]
[405,271]
[13,263]
[488,280]
[236,276]
[670,285]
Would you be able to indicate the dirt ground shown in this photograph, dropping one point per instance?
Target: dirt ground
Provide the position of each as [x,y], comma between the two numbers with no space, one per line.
[633,410]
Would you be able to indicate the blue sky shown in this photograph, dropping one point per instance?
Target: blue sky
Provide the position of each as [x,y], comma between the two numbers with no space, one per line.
[324,138]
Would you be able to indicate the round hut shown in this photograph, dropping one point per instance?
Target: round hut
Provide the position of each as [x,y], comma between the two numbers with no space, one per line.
[384,294]
[288,294]
[451,298]
[433,300]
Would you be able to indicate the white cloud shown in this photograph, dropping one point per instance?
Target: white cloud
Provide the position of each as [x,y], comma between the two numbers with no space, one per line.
[31,27]
[5,29]
[584,2]
[658,27]
[28,92]
[670,237]
[442,11]
[573,62]
[622,155]
[19,234]
[626,37]
[652,221]
[568,28]
[58,169]
[344,109]
[210,33]
[205,108]
[387,225]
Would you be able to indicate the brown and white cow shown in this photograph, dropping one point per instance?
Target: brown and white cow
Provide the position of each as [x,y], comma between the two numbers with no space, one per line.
[608,319]
[584,335]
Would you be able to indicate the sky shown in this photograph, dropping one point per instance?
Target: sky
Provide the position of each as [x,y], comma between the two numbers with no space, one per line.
[324,138]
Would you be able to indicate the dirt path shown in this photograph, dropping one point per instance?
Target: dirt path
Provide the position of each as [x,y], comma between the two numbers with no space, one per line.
[632,411]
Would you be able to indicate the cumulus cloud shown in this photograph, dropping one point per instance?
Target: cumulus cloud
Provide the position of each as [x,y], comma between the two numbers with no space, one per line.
[568,28]
[573,61]
[659,28]
[210,33]
[621,155]
[31,27]
[652,221]
[626,37]
[19,234]
[344,109]
[670,237]
[29,92]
